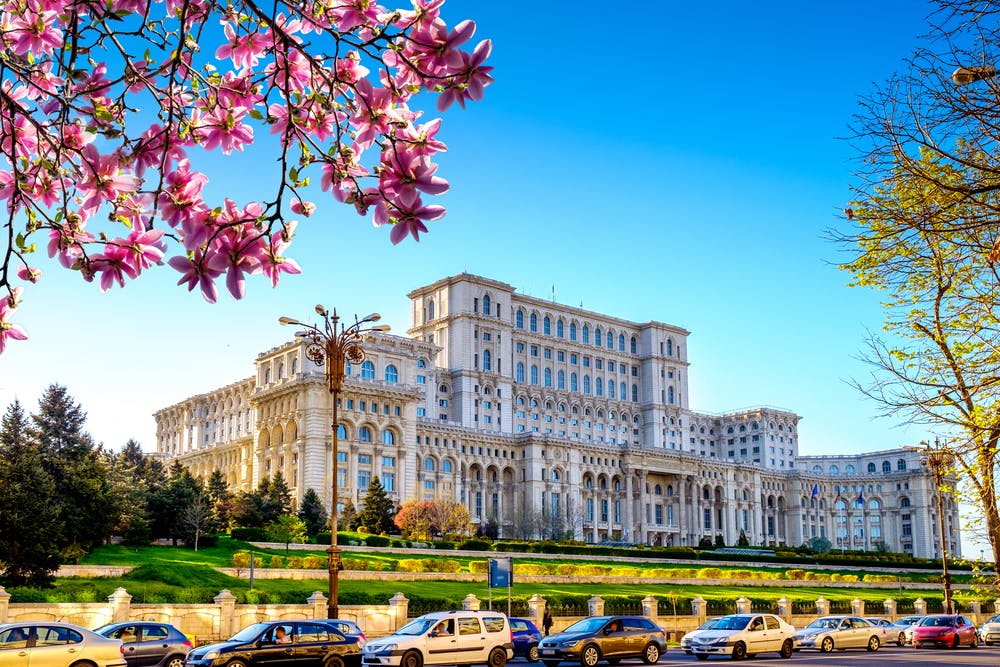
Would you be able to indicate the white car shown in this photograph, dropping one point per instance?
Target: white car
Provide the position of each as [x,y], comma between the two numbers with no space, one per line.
[743,635]
[689,636]
[989,631]
[839,632]
[445,638]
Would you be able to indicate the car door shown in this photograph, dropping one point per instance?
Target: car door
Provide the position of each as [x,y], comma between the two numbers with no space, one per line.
[54,645]
[14,646]
[471,646]
[774,635]
[756,635]
[272,649]
[311,643]
[132,649]
[614,640]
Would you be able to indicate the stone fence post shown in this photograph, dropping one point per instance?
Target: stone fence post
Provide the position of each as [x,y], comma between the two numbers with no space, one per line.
[920,607]
[858,607]
[975,607]
[889,609]
[996,606]
[4,604]
[401,607]
[743,605]
[120,602]
[471,603]
[536,609]
[227,612]
[699,609]
[318,603]
[822,607]
[785,608]
[649,607]
[595,606]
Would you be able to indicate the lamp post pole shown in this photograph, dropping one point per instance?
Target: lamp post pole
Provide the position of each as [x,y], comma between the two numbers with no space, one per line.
[332,346]
[936,458]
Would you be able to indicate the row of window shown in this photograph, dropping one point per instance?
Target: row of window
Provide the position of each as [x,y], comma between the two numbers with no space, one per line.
[597,387]
[849,469]
[561,331]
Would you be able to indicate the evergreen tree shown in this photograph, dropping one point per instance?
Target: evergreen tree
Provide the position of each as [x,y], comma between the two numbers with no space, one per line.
[221,498]
[278,499]
[378,511]
[82,495]
[347,518]
[131,495]
[246,510]
[29,548]
[312,513]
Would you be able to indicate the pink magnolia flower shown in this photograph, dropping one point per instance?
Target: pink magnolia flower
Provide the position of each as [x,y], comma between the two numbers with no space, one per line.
[103,179]
[29,274]
[473,79]
[33,31]
[9,330]
[223,128]
[408,213]
[199,272]
[275,263]
[245,51]
[402,169]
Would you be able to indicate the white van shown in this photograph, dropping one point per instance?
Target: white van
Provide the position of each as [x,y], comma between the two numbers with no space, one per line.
[445,638]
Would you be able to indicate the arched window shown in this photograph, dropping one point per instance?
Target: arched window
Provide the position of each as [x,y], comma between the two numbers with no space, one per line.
[635,393]
[519,372]
[670,490]
[815,468]
[670,395]
[560,379]
[598,387]
[429,465]
[533,322]
[443,389]
[391,374]
[874,505]
[621,391]
[632,345]
[658,490]
[555,475]
[421,363]
[886,466]
[611,392]
[281,370]
[670,348]
[597,336]
[849,469]
[430,310]
[295,366]
[871,467]
[547,377]
[621,342]
[534,374]
[486,305]
[267,376]
[519,319]
[341,432]
[547,326]
[904,502]
[834,470]
[611,341]
[446,466]
[572,382]
[572,330]
[901,465]
[388,437]
[364,434]
[586,334]
[559,329]
[487,361]
[368,370]
[586,384]
[840,504]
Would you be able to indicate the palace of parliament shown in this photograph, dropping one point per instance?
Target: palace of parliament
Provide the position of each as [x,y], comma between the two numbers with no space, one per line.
[541,417]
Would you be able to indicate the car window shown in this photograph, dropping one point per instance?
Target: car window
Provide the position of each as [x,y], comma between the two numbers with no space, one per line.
[53,636]
[126,633]
[518,625]
[14,637]
[861,623]
[772,622]
[308,633]
[962,620]
[634,624]
[468,626]
[153,633]
[493,623]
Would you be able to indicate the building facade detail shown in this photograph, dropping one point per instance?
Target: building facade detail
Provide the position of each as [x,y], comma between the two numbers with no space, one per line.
[544,418]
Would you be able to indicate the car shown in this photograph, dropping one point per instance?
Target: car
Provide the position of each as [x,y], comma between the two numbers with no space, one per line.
[149,644]
[307,643]
[887,633]
[743,635]
[989,631]
[688,636]
[948,630]
[347,628]
[526,636]
[608,638]
[827,633]
[903,627]
[55,644]
[462,637]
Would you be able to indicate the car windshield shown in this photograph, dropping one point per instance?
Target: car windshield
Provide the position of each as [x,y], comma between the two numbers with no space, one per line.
[588,625]
[993,619]
[824,623]
[732,623]
[104,628]
[249,633]
[937,621]
[709,624]
[416,627]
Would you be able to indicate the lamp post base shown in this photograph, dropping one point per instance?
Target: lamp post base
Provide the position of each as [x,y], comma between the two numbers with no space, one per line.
[334,565]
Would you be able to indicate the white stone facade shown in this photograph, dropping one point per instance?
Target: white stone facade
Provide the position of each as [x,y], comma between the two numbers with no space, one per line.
[545,417]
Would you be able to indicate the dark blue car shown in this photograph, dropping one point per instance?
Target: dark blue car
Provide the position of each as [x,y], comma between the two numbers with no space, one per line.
[526,637]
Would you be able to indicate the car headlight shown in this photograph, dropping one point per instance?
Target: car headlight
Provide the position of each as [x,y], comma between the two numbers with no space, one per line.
[721,641]
[211,655]
[569,643]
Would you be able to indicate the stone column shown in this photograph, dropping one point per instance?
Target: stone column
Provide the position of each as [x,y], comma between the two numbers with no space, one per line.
[401,609]
[889,609]
[227,612]
[858,607]
[471,603]
[536,608]
[120,601]
[920,607]
[649,607]
[595,606]
[785,608]
[976,608]
[4,604]
[822,607]
[699,609]
[743,605]
[318,603]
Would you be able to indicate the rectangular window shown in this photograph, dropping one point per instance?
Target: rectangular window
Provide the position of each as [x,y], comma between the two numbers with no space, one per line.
[364,479]
[364,459]
[534,350]
[560,356]
[421,412]
[389,482]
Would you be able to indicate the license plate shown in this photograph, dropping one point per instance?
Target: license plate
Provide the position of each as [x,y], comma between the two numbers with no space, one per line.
[548,651]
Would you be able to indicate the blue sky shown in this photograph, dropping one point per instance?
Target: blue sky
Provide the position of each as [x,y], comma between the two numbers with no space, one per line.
[673,163]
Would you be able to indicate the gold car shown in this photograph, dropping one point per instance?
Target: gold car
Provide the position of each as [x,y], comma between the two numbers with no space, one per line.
[52,644]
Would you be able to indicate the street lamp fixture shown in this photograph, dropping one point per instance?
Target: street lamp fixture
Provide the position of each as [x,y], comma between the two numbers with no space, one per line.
[937,459]
[963,76]
[332,345]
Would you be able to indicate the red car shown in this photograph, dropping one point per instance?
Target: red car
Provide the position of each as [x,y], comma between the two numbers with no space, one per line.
[947,630]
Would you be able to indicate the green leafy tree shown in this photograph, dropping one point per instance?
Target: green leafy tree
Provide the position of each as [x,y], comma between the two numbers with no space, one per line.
[287,529]
[820,545]
[247,510]
[378,510]
[742,541]
[29,548]
[312,513]
[197,520]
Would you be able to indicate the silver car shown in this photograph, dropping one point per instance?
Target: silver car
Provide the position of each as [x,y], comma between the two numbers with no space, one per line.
[54,644]
[989,631]
[839,632]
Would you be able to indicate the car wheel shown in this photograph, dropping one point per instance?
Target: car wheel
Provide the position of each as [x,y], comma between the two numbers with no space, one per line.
[498,658]
[334,661]
[956,642]
[787,649]
[532,654]
[236,663]
[590,656]
[701,656]
[739,651]
[901,639]
[412,659]
[975,642]
[651,655]
[174,661]
[826,645]
[873,643]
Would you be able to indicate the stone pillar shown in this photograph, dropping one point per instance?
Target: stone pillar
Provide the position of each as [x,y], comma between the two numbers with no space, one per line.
[920,607]
[976,608]
[858,607]
[227,612]
[4,604]
[889,609]
[471,603]
[649,607]
[595,606]
[699,609]
[996,606]
[536,608]
[120,601]
[318,603]
[822,607]
[401,609]
[785,608]
[743,605]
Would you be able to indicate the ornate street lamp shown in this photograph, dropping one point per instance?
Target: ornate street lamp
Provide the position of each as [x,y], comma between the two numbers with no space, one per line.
[937,459]
[332,345]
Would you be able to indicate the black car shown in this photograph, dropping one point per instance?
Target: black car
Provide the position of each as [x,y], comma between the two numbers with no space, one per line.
[315,643]
[609,638]
[149,644]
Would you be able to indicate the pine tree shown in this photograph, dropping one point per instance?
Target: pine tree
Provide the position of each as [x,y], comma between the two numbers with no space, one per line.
[221,498]
[378,511]
[312,513]
[29,549]
[279,497]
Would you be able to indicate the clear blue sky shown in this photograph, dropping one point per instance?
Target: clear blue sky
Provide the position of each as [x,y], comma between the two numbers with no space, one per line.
[654,162]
